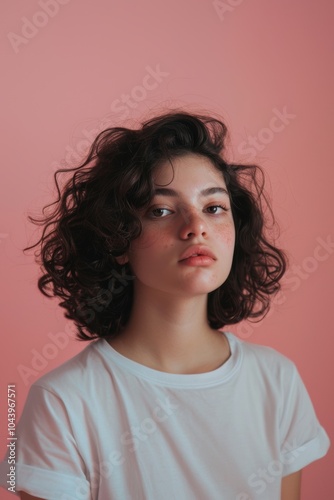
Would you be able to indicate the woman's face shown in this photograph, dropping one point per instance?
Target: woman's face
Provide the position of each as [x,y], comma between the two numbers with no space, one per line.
[187,240]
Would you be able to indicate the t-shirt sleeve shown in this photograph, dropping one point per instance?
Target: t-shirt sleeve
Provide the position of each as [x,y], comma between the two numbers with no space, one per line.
[302,438]
[48,462]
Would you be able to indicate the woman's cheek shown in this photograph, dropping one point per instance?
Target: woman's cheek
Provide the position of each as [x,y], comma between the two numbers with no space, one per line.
[226,234]
[151,236]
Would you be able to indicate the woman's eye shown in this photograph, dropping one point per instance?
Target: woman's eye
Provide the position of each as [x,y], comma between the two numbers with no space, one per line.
[214,209]
[159,212]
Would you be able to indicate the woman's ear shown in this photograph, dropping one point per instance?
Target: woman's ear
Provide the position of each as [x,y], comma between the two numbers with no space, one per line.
[122,259]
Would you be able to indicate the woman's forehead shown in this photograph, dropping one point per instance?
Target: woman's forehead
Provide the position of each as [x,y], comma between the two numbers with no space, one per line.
[188,170]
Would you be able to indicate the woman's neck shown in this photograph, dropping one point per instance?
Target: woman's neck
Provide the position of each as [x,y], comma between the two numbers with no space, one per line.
[171,334]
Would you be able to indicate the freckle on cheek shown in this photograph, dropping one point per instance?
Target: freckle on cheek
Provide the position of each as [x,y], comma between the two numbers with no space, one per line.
[230,237]
[226,235]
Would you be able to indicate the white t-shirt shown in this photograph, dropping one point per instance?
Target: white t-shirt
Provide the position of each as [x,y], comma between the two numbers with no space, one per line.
[102,426]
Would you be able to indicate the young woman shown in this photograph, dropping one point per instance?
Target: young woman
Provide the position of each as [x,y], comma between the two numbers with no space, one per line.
[155,244]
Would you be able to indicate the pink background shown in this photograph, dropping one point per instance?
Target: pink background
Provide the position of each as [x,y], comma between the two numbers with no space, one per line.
[247,61]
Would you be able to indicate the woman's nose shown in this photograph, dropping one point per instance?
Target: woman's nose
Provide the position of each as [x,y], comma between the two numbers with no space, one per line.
[192,224]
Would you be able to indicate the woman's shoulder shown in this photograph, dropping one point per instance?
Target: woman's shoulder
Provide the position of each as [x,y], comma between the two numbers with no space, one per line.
[272,372]
[74,371]
[263,356]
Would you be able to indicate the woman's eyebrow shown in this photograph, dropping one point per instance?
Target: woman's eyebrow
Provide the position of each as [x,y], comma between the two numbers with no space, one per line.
[204,192]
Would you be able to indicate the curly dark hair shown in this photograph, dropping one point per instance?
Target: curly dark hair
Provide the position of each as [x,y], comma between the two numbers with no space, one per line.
[96,217]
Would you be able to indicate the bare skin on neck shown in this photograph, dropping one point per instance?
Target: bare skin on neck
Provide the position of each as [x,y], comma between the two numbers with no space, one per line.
[172,335]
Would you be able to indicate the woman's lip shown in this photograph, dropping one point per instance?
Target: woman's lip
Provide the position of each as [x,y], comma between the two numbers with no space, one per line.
[197,251]
[198,260]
